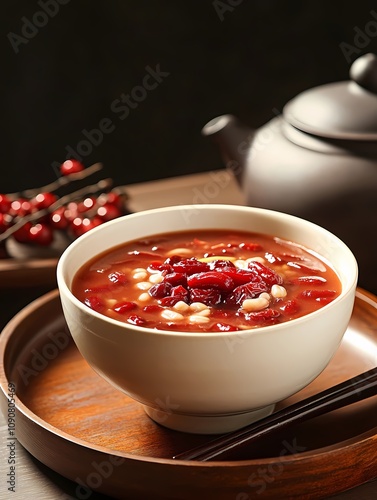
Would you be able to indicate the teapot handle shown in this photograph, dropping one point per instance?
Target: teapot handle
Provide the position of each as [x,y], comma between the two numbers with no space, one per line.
[364,72]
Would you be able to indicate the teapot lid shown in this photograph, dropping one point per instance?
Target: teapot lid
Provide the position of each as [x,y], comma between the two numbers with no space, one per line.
[342,110]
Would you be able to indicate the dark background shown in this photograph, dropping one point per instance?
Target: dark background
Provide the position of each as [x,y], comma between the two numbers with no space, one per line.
[63,72]
[249,59]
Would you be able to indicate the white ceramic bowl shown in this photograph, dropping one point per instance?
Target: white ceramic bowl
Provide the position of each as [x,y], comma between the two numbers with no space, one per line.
[214,382]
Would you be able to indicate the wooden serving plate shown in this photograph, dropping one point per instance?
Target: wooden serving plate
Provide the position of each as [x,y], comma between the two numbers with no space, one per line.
[79,426]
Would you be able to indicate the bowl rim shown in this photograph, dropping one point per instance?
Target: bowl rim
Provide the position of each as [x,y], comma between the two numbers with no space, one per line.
[65,289]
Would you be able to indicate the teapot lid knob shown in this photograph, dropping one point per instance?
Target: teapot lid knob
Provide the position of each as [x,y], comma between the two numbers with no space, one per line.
[364,72]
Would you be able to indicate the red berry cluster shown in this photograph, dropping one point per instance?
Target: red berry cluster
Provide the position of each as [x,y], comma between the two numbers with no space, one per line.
[74,218]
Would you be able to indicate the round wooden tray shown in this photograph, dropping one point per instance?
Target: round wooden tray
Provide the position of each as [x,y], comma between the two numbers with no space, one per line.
[75,423]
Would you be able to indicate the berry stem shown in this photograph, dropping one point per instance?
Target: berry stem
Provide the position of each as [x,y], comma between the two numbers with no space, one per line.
[61,181]
[100,186]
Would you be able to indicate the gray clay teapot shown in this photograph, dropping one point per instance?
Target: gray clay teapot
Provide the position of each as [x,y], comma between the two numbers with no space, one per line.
[317,160]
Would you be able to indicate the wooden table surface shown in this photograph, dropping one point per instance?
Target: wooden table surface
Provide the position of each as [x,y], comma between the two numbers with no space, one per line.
[33,479]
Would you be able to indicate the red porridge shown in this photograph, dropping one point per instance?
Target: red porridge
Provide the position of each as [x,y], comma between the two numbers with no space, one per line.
[206,281]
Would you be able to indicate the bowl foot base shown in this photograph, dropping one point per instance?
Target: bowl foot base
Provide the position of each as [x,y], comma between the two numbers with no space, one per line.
[195,424]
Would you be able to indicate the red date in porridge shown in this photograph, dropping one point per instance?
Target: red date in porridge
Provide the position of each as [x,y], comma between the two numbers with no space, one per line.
[206,281]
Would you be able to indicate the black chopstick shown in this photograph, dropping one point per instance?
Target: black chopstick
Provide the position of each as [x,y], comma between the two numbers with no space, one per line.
[355,389]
